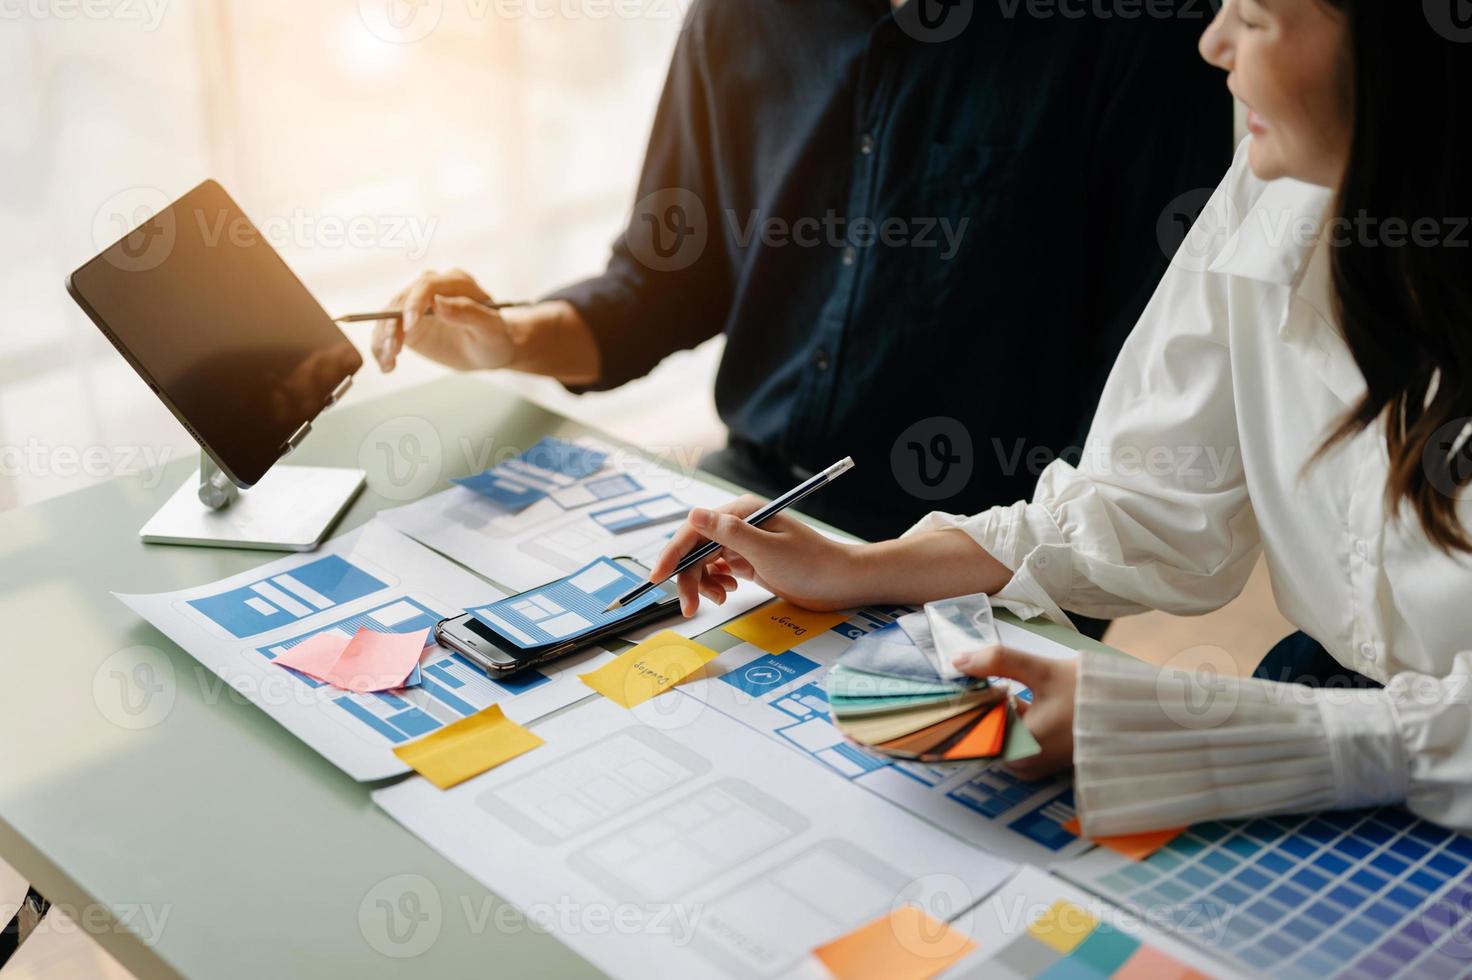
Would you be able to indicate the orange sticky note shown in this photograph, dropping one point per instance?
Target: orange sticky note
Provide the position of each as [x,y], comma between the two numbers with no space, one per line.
[652,667]
[905,944]
[983,740]
[1136,847]
[375,661]
[1149,963]
[780,626]
[467,747]
[315,655]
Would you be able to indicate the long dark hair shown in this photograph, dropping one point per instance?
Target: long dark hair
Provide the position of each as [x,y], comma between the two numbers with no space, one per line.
[1406,308]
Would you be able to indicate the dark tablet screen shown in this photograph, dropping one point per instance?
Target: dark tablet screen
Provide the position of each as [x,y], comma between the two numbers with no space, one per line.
[207,312]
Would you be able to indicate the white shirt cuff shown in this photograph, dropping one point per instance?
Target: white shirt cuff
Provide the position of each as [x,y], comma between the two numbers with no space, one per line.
[1167,747]
[1365,747]
[1029,545]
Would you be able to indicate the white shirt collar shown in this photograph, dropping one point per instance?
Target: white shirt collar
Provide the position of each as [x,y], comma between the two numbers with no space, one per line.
[1278,234]
[1282,240]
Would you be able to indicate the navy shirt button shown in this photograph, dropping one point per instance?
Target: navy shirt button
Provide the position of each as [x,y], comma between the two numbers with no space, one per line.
[820,359]
[866,144]
[849,255]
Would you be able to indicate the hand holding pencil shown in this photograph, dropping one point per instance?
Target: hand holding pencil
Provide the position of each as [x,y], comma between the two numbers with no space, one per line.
[783,555]
[447,317]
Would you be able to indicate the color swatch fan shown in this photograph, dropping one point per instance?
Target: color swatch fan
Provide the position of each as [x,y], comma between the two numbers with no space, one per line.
[886,695]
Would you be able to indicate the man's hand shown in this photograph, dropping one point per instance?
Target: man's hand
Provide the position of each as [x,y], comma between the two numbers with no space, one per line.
[784,556]
[458,330]
[1050,715]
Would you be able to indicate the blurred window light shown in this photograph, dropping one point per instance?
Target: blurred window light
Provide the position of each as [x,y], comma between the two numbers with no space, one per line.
[372,139]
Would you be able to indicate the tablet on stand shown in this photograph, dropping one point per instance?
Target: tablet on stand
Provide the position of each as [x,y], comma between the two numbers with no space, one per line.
[213,320]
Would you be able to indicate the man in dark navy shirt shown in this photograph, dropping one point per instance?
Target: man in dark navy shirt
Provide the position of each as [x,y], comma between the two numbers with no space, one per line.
[924,231]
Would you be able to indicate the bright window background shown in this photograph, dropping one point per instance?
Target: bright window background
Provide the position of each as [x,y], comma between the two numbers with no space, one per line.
[500,136]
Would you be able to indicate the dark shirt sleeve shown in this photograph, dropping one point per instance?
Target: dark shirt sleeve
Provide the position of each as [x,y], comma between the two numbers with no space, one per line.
[645,305]
[1162,90]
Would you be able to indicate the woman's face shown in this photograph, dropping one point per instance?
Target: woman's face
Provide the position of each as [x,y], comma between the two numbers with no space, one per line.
[1288,61]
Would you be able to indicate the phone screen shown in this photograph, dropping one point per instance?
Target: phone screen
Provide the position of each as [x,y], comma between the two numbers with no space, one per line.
[565,609]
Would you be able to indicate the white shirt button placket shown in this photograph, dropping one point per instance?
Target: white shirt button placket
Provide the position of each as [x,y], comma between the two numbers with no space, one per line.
[1366,525]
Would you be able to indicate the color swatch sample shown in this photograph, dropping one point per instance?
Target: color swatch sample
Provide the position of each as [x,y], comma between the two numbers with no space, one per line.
[984,741]
[467,747]
[1068,941]
[846,682]
[891,651]
[887,694]
[874,730]
[652,667]
[1136,847]
[1036,925]
[905,944]
[1356,893]
[959,625]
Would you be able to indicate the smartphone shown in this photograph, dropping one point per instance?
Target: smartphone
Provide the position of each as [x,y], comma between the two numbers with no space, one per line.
[555,619]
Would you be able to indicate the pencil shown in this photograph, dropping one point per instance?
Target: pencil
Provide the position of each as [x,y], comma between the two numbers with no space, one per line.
[755,520]
[399,314]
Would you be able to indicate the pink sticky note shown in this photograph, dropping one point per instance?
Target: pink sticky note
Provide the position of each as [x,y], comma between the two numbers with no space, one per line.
[376,661]
[316,655]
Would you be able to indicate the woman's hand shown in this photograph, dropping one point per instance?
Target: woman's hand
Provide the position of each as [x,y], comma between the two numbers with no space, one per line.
[445,319]
[784,556]
[1050,715]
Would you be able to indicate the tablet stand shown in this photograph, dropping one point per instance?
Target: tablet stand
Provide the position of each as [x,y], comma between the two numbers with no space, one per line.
[290,509]
[215,489]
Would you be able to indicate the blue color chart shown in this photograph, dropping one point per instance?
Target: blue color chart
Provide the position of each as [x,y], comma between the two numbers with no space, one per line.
[1355,893]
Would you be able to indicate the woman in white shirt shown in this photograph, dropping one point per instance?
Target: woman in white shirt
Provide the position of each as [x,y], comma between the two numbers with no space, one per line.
[1300,387]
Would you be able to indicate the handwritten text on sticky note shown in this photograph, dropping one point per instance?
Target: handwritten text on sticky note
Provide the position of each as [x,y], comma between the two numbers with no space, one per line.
[780,626]
[652,667]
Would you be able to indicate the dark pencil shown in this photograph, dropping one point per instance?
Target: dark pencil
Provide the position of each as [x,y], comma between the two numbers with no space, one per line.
[755,520]
[399,314]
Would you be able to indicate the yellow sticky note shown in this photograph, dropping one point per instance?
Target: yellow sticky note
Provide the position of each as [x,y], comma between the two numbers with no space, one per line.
[467,747]
[1063,926]
[779,627]
[651,668]
[906,944]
